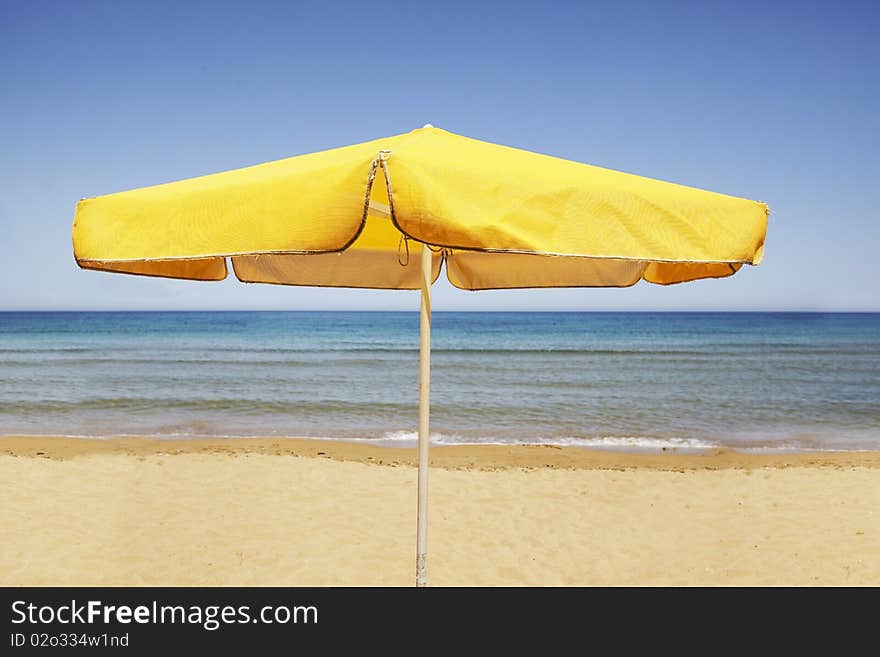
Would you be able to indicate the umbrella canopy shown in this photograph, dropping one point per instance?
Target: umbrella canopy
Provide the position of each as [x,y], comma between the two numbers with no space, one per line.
[546,222]
[388,214]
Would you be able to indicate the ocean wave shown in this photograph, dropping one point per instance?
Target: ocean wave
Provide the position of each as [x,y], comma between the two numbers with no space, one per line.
[410,439]
[165,355]
[634,443]
[246,406]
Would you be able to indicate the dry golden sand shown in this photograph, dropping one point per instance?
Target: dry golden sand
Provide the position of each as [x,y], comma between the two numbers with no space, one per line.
[304,512]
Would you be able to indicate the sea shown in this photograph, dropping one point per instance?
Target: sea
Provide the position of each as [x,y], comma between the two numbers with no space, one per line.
[626,381]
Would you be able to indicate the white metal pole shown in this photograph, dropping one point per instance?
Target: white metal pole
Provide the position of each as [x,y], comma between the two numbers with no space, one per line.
[424,412]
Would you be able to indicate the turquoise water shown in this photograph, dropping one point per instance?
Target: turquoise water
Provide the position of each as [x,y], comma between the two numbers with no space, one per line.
[620,380]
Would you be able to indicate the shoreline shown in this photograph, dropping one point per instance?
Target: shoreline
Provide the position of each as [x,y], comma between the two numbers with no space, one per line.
[449,457]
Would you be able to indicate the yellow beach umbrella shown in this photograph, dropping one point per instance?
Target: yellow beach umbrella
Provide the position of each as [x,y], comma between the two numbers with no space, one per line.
[389,213]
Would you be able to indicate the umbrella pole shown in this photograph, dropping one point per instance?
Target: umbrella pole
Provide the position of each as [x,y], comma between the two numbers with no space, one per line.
[424,412]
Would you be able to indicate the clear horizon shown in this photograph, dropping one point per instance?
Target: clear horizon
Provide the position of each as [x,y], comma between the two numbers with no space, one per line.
[449,311]
[776,103]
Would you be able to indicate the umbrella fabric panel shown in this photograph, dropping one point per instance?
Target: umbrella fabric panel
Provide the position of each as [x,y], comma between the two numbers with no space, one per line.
[310,203]
[475,270]
[668,273]
[197,269]
[479,270]
[462,193]
[355,267]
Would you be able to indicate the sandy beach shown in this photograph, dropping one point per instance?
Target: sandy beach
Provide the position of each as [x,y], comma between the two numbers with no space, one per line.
[268,511]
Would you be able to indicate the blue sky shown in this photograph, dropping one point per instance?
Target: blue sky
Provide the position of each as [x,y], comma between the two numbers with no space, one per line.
[776,101]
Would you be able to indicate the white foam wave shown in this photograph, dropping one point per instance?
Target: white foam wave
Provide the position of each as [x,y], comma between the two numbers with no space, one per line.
[405,438]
